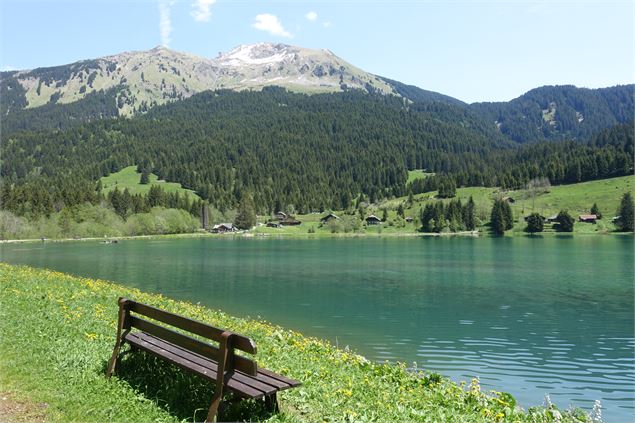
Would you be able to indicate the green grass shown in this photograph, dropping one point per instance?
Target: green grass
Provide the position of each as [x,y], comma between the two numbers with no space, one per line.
[129,178]
[576,198]
[57,332]
[417,174]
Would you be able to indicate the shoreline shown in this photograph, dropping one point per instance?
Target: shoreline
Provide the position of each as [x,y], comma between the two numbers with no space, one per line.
[312,236]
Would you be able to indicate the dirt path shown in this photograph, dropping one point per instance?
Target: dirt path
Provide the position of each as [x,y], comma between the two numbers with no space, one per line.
[16,411]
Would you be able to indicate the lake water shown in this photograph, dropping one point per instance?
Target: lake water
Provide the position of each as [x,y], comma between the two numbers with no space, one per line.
[528,315]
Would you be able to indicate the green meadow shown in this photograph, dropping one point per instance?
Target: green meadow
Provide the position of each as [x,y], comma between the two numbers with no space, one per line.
[575,198]
[128,178]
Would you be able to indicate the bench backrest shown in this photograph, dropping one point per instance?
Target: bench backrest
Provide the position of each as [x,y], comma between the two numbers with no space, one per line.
[133,309]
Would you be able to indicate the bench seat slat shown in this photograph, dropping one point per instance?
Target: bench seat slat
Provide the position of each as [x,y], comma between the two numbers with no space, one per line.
[260,383]
[262,380]
[169,355]
[282,380]
[240,363]
[264,383]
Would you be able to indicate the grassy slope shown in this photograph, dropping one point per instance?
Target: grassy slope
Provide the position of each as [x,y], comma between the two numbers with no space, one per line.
[57,332]
[417,174]
[576,198]
[129,178]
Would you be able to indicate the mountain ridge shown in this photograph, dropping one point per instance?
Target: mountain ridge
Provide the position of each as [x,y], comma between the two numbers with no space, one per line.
[133,82]
[144,79]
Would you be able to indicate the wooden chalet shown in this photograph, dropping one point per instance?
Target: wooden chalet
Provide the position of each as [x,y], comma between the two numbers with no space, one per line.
[328,218]
[224,227]
[409,219]
[588,218]
[373,220]
[273,225]
[280,215]
[289,221]
[552,219]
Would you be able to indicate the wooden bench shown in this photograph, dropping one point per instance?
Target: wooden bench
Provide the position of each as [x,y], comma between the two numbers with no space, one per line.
[232,372]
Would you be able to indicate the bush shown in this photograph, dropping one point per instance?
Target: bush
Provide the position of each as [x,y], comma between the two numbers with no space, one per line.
[535,223]
[565,221]
[626,221]
[11,226]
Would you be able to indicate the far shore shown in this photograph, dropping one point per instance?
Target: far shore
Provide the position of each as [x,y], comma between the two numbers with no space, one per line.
[296,235]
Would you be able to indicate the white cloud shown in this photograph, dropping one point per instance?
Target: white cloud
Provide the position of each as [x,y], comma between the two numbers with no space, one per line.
[165,23]
[202,10]
[311,16]
[327,24]
[271,24]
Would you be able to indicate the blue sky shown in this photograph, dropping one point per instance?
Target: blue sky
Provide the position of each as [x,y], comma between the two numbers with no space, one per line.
[471,50]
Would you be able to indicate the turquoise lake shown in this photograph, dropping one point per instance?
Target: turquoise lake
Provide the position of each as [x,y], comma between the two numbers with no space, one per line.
[527,315]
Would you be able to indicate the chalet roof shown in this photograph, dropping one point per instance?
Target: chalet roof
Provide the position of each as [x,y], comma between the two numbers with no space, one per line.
[229,226]
[588,217]
[373,217]
[330,215]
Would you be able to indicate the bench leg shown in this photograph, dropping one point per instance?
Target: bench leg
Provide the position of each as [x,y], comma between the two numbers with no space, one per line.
[271,403]
[121,325]
[215,407]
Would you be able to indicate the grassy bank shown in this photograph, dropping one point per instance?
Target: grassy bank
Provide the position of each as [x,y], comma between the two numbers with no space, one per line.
[575,198]
[57,332]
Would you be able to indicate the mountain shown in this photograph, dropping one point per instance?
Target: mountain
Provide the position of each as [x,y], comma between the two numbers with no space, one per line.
[132,83]
[560,112]
[140,80]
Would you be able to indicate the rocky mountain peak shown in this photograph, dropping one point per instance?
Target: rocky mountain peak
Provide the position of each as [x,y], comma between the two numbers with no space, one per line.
[144,79]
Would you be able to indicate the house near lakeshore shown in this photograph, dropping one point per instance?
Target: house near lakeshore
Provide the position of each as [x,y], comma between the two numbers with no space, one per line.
[373,220]
[224,227]
[328,218]
[552,219]
[280,215]
[409,219]
[289,221]
[273,225]
[588,218]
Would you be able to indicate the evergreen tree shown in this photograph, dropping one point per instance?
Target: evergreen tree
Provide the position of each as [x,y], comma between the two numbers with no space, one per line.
[535,223]
[246,217]
[384,215]
[439,217]
[508,215]
[426,216]
[469,217]
[400,211]
[497,218]
[596,210]
[156,196]
[116,201]
[626,221]
[145,178]
[454,215]
[565,221]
